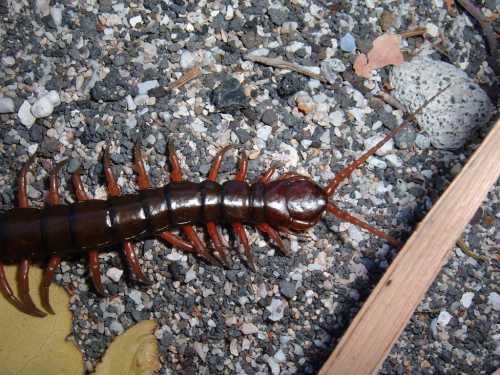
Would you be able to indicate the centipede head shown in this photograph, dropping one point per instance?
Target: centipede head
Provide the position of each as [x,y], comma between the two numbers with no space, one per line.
[295,203]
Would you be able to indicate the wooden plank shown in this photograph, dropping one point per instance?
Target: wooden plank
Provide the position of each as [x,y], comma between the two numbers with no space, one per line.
[377,326]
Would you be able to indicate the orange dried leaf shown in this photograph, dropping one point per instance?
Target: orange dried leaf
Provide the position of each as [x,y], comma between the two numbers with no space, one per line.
[385,51]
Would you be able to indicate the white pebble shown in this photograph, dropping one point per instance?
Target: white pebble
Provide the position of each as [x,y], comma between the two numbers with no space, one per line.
[394,160]
[134,21]
[114,274]
[494,300]
[466,299]
[25,116]
[277,309]
[274,366]
[233,347]
[190,275]
[145,86]
[444,318]
[249,329]
[43,107]
[7,105]
[136,296]
[130,103]
[54,97]
[264,132]
[187,60]
[377,163]
[8,60]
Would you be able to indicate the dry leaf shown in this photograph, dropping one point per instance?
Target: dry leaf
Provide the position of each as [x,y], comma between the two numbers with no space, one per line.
[135,352]
[30,345]
[385,51]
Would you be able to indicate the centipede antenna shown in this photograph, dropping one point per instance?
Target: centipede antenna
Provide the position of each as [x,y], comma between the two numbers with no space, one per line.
[347,171]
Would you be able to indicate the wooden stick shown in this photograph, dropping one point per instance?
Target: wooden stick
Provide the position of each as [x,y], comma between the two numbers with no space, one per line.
[369,338]
[282,64]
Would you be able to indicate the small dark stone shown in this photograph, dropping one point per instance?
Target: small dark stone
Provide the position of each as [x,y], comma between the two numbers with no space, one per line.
[290,84]
[243,135]
[288,289]
[229,96]
[269,117]
[251,39]
[120,59]
[278,16]
[107,93]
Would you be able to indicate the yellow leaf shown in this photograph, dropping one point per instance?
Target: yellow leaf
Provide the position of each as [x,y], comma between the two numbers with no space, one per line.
[30,345]
[135,352]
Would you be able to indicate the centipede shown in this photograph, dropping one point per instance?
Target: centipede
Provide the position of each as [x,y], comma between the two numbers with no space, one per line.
[290,203]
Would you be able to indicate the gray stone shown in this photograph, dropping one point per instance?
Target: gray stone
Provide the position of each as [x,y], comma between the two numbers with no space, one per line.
[288,289]
[229,96]
[25,116]
[43,107]
[269,117]
[7,105]
[451,118]
[348,43]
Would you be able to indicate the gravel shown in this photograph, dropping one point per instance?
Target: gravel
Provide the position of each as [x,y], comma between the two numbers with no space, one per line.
[109,64]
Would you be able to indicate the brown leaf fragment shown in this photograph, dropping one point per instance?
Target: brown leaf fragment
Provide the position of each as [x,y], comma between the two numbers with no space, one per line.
[385,51]
[31,345]
[135,352]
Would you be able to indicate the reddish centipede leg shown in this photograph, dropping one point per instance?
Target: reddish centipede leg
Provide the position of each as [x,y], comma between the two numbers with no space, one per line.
[114,190]
[188,230]
[266,176]
[242,235]
[274,235]
[211,227]
[93,255]
[7,292]
[238,228]
[342,215]
[54,261]
[23,270]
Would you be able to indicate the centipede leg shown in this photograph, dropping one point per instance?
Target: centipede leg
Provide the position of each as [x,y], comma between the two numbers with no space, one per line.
[93,255]
[55,260]
[188,230]
[114,190]
[23,270]
[242,236]
[274,235]
[211,227]
[7,291]
[266,176]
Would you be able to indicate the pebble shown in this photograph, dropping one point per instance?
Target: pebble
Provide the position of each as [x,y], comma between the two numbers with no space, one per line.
[114,274]
[348,43]
[136,296]
[43,107]
[444,318]
[264,132]
[7,105]
[277,309]
[188,60]
[422,141]
[494,300]
[229,96]
[131,106]
[288,289]
[274,366]
[290,84]
[249,329]
[25,116]
[134,21]
[145,86]
[269,117]
[451,118]
[466,299]
[305,103]
[330,69]
[116,327]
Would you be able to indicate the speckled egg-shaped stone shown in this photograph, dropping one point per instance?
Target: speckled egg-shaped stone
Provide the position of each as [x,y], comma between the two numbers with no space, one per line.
[451,118]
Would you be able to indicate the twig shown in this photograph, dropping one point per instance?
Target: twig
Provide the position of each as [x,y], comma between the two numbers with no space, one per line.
[467,251]
[411,33]
[488,31]
[185,78]
[280,63]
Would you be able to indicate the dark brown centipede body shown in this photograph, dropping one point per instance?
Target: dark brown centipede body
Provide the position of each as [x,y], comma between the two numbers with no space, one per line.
[290,203]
